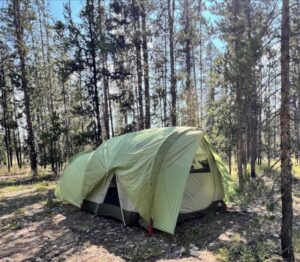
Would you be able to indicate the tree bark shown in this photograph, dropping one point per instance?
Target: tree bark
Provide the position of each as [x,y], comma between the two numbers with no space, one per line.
[5,116]
[238,109]
[137,43]
[286,165]
[91,23]
[171,11]
[188,60]
[105,92]
[146,67]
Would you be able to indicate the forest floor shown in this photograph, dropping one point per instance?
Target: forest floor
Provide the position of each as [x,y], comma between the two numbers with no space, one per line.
[36,227]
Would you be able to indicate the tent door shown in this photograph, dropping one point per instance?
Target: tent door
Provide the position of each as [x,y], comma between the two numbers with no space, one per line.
[103,193]
[112,198]
[200,187]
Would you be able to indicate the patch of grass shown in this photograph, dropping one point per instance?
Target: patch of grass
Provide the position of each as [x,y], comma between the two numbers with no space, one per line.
[43,186]
[276,168]
[255,252]
[15,170]
[195,232]
[296,168]
[19,212]
[236,238]
[296,239]
[13,188]
[256,223]
[14,225]
[149,252]
[24,171]
[39,187]
[223,254]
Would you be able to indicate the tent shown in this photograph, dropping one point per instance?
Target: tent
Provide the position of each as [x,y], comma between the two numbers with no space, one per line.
[160,175]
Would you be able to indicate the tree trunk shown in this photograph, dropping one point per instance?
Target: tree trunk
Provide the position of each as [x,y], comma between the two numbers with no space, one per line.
[91,23]
[171,11]
[19,32]
[110,115]
[188,62]
[238,110]
[286,165]
[5,120]
[137,44]
[201,65]
[229,162]
[16,145]
[105,92]
[146,67]
[66,122]
[268,124]
[164,82]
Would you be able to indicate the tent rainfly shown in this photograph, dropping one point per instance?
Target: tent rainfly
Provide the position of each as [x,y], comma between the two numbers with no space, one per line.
[159,175]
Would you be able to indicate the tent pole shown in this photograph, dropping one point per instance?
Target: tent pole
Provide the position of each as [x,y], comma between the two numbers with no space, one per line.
[121,203]
[97,209]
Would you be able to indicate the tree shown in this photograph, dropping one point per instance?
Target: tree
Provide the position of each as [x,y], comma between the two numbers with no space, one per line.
[19,22]
[146,65]
[171,13]
[286,165]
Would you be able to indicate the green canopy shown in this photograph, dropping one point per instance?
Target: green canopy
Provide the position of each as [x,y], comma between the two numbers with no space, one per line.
[152,166]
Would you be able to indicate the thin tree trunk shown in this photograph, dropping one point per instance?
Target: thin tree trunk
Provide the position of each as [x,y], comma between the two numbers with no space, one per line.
[66,117]
[138,50]
[19,31]
[238,112]
[171,11]
[268,116]
[110,115]
[164,82]
[4,109]
[229,162]
[92,36]
[105,102]
[16,149]
[188,62]
[146,67]
[286,165]
[201,65]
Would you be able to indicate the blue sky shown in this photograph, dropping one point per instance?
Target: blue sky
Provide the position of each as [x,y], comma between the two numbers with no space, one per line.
[56,9]
[57,6]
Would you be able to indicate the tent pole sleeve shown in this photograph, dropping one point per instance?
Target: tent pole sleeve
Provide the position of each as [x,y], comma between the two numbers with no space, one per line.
[97,209]
[120,200]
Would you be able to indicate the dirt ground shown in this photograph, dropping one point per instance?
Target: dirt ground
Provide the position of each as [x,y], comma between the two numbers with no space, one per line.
[36,227]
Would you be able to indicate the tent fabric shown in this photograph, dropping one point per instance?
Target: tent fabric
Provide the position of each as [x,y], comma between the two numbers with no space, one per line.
[151,168]
[198,194]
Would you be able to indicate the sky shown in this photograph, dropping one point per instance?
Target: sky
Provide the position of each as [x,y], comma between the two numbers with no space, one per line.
[56,9]
[57,6]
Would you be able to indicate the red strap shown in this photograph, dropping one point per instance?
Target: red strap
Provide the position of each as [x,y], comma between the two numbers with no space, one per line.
[150,228]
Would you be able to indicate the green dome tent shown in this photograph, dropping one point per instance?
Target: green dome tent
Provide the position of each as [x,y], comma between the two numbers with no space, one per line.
[157,174]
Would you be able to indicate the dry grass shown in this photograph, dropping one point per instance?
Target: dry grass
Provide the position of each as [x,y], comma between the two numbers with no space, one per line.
[263,167]
[25,171]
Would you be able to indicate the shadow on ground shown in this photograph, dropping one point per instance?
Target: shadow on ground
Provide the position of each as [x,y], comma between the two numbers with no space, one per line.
[59,231]
[26,181]
[34,227]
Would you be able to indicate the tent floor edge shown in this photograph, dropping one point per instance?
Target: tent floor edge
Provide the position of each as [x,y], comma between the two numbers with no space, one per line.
[216,206]
[108,210]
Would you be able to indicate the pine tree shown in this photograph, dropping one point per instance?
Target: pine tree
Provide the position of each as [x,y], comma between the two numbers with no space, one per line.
[286,165]
[18,12]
